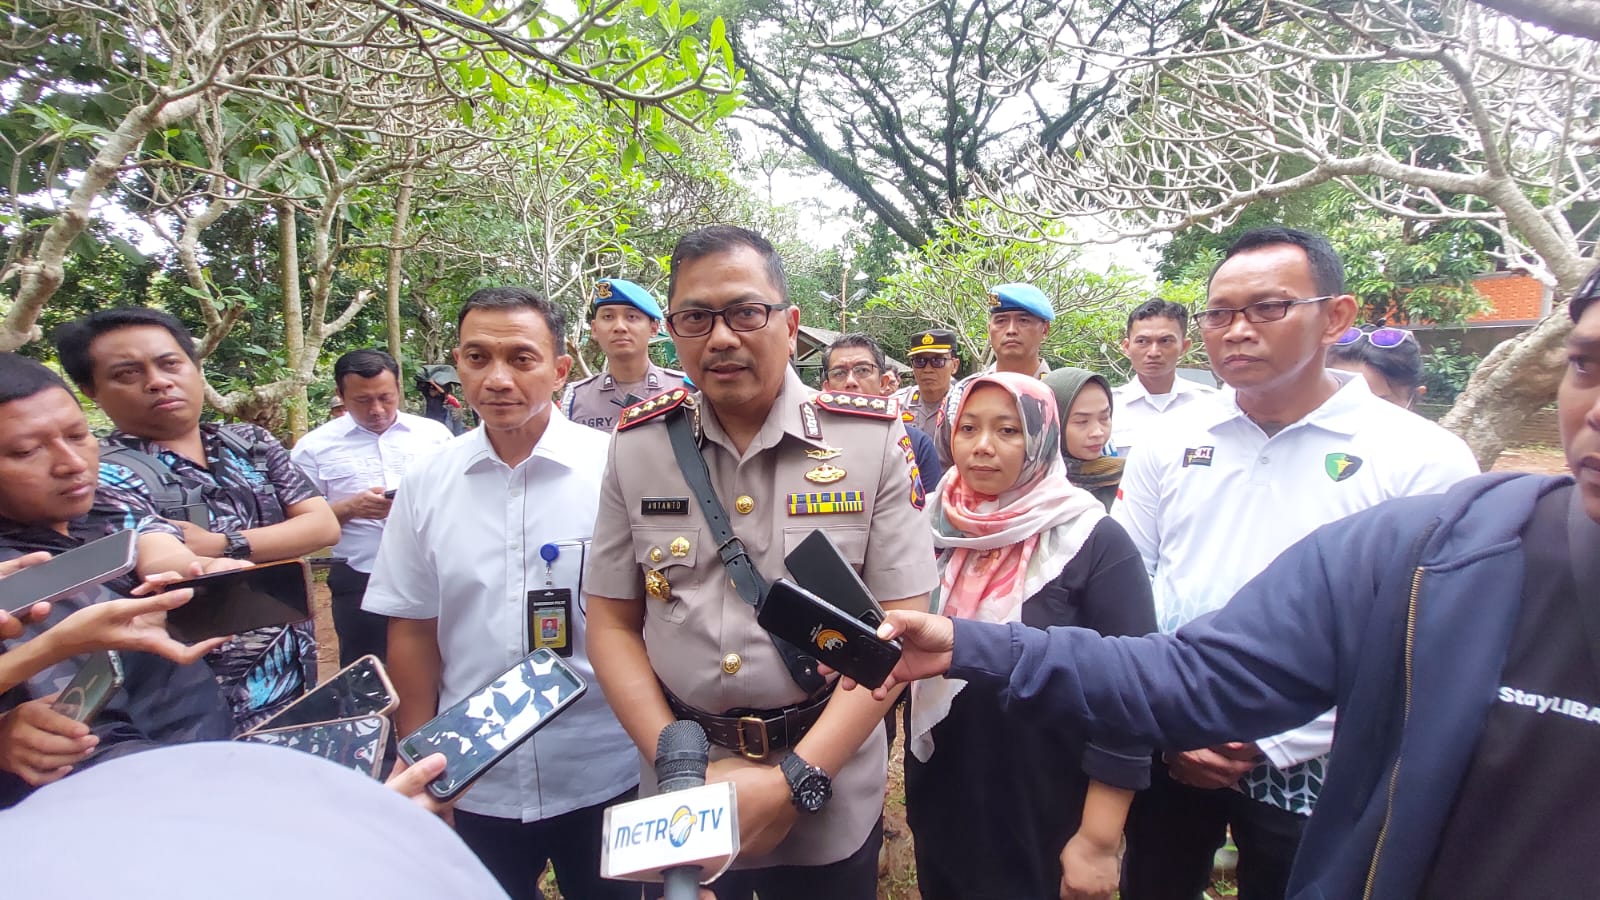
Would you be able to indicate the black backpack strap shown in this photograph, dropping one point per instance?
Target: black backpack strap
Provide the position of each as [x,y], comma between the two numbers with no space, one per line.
[741,571]
[170,496]
[245,445]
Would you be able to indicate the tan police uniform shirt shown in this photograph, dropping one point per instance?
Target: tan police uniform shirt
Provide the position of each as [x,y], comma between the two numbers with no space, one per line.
[703,642]
[916,413]
[596,401]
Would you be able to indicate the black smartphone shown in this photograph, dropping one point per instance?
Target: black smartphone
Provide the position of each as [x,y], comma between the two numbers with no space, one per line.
[845,642]
[240,600]
[359,689]
[92,688]
[356,743]
[491,722]
[819,567]
[389,494]
[93,563]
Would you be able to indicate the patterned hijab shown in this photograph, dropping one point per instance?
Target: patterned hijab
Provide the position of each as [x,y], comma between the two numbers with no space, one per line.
[997,551]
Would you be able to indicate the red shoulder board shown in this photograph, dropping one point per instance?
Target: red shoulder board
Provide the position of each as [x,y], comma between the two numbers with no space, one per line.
[859,404]
[645,410]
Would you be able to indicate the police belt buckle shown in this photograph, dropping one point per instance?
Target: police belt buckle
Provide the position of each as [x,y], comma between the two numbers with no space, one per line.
[761,729]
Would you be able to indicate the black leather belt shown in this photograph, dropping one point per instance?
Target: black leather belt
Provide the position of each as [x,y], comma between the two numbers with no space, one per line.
[754,734]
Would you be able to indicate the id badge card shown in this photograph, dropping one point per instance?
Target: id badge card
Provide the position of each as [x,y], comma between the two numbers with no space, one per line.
[550,620]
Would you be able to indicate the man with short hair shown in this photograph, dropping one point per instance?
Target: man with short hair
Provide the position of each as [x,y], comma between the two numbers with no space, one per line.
[934,361]
[1456,633]
[1019,319]
[231,489]
[856,364]
[623,317]
[357,461]
[672,590]
[480,564]
[1156,339]
[1223,487]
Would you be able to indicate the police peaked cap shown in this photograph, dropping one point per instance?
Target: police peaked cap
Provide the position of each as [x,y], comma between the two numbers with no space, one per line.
[934,340]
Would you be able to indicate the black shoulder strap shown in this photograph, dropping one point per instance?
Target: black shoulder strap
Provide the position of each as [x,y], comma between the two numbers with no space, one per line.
[247,448]
[170,496]
[741,571]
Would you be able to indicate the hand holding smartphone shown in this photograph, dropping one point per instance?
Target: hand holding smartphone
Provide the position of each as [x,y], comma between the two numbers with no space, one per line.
[92,688]
[93,563]
[848,644]
[240,600]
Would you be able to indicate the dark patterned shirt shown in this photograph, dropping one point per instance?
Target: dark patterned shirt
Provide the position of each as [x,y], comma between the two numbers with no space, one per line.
[260,671]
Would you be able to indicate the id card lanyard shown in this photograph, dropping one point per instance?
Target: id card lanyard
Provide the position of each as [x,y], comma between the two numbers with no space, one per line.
[550,610]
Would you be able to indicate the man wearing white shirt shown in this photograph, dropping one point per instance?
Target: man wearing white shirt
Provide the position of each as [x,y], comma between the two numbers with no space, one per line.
[1216,494]
[1157,337]
[486,537]
[355,460]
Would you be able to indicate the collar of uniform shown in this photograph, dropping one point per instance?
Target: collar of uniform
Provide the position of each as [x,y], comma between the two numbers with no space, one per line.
[553,445]
[785,418]
[652,379]
[909,396]
[1134,389]
[1343,413]
[353,426]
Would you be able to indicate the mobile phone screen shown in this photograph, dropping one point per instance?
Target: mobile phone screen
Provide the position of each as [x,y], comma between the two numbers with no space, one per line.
[96,562]
[360,689]
[480,730]
[92,688]
[240,600]
[355,743]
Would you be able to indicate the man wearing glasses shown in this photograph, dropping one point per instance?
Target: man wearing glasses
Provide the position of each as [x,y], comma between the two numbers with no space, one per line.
[672,626]
[856,364]
[1215,494]
[933,368]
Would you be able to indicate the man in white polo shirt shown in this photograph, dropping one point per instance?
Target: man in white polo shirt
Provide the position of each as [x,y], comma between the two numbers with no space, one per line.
[1221,489]
[480,565]
[355,460]
[1156,339]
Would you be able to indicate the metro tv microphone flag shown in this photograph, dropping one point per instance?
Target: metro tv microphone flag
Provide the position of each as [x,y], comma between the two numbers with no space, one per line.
[685,835]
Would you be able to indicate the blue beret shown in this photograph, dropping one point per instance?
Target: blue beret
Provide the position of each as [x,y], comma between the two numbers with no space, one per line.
[616,290]
[1022,297]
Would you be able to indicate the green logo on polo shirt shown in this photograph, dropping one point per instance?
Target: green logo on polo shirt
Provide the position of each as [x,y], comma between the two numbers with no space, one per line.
[1340,466]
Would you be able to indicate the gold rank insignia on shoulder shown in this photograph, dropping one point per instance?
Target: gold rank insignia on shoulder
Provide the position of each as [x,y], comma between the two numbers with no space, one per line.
[646,410]
[826,502]
[827,473]
[859,405]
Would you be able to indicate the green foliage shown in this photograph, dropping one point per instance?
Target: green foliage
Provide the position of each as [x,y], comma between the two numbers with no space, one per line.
[1446,370]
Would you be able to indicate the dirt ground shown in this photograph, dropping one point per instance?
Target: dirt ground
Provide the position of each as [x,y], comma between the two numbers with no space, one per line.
[897,878]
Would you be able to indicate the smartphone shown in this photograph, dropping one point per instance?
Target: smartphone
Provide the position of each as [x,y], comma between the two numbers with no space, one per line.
[240,600]
[326,562]
[93,563]
[819,567]
[389,494]
[359,689]
[846,643]
[491,722]
[92,688]
[356,743]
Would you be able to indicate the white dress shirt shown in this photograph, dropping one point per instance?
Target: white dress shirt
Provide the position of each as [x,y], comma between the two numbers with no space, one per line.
[1133,408]
[1210,500]
[343,459]
[463,546]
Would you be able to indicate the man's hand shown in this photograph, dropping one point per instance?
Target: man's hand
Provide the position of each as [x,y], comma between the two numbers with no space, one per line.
[766,812]
[11,626]
[1213,768]
[369,504]
[40,745]
[134,623]
[412,782]
[1089,870]
[926,643]
[200,541]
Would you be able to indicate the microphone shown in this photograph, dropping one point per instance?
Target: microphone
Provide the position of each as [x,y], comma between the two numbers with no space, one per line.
[681,759]
[686,833]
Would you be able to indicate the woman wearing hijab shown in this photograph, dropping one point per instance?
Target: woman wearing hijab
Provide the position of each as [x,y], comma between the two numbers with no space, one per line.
[1005,806]
[1083,401]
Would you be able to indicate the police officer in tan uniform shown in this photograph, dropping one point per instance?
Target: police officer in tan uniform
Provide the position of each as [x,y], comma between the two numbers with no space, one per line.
[1019,319]
[622,319]
[670,635]
[933,363]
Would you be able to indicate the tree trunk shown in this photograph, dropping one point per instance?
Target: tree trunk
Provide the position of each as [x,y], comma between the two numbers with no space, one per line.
[397,255]
[1518,377]
[294,335]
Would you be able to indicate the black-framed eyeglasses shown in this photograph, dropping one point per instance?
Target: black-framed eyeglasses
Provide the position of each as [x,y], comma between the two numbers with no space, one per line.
[1254,313]
[925,361]
[688,323]
[862,371]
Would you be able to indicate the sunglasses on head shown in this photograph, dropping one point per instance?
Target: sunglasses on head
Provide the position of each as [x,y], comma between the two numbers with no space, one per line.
[1385,337]
[923,362]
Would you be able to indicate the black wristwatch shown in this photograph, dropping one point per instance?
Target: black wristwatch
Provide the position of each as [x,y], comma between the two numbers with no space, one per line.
[238,545]
[809,786]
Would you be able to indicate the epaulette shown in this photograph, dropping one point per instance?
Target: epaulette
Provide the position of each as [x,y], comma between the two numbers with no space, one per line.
[859,404]
[645,410]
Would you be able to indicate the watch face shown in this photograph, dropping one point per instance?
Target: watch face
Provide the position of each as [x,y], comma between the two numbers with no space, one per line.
[813,791]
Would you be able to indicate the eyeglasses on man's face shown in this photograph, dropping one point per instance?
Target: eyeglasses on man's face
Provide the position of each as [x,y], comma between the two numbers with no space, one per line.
[1255,313]
[926,361]
[862,371]
[689,323]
